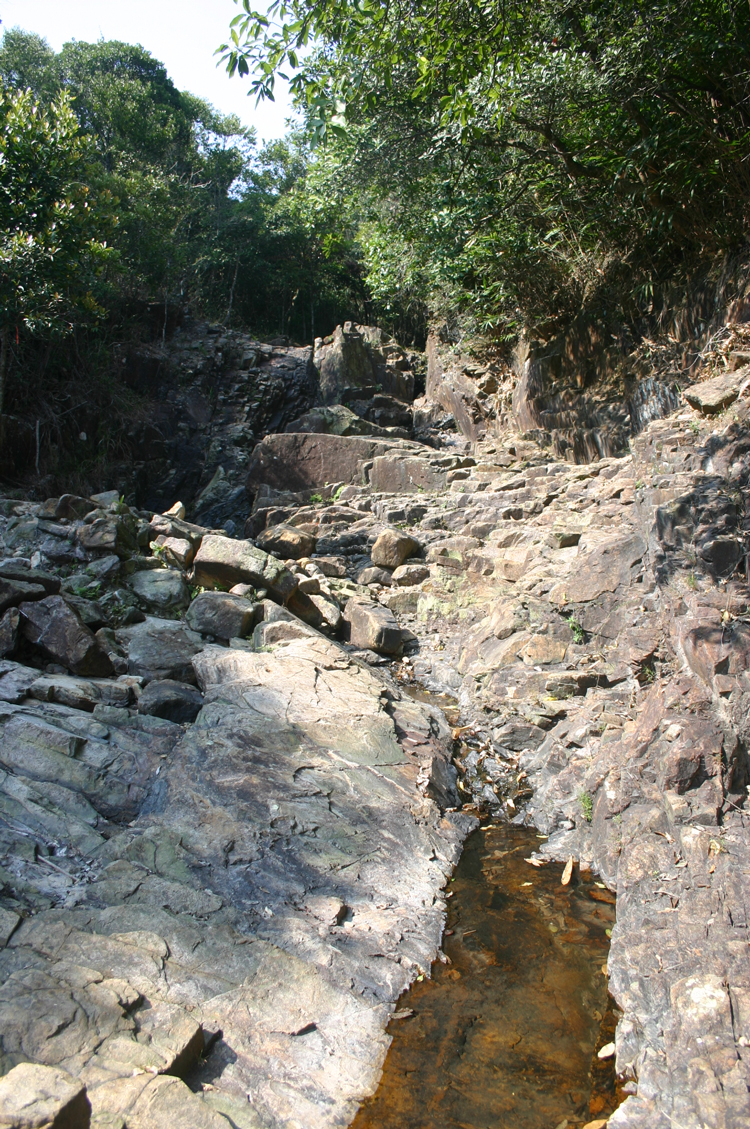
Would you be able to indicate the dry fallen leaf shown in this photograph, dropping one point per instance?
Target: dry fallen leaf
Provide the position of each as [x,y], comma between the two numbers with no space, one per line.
[567,874]
[534,862]
[598,1124]
[607,1051]
[404,1013]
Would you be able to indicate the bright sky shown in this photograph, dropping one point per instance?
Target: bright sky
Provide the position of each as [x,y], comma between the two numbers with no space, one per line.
[182,34]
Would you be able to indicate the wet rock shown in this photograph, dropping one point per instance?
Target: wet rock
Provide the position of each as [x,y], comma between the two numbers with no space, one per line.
[373,627]
[286,542]
[159,649]
[392,548]
[53,627]
[174,701]
[161,589]
[43,1097]
[223,561]
[222,615]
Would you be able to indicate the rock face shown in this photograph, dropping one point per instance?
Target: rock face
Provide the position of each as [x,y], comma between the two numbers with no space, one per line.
[222,854]
[303,462]
[55,629]
[361,360]
[41,1097]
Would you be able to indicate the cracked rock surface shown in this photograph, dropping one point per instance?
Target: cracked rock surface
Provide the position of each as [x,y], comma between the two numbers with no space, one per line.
[226,818]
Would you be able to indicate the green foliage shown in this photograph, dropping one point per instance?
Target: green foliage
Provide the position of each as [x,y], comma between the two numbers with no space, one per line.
[586,800]
[575,627]
[523,162]
[50,221]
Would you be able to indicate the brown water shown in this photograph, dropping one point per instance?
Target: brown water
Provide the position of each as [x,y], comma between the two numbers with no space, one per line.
[505,1035]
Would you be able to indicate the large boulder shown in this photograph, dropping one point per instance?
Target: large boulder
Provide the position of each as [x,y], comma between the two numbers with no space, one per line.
[161,648]
[392,548]
[287,542]
[405,473]
[221,614]
[361,359]
[162,589]
[15,592]
[53,627]
[43,1097]
[712,396]
[222,561]
[305,462]
[173,701]
[12,570]
[373,627]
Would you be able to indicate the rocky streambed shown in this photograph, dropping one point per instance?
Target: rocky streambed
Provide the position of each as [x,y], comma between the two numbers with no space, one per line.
[227,821]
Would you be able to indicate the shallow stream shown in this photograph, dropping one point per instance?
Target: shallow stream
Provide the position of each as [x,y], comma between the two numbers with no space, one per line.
[505,1034]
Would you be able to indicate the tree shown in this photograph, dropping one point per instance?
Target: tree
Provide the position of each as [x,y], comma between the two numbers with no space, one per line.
[535,157]
[51,224]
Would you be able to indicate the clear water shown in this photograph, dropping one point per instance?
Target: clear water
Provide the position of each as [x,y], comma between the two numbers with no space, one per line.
[505,1035]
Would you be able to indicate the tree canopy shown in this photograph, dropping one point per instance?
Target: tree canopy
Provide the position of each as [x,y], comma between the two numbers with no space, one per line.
[523,160]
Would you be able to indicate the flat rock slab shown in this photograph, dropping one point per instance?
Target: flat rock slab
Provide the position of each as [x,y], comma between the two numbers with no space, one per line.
[281,886]
[302,462]
[711,396]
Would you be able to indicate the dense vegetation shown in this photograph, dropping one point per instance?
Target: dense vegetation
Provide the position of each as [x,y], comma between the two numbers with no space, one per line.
[524,161]
[507,165]
[124,201]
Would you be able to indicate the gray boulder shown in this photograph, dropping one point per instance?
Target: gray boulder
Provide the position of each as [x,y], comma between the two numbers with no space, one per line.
[53,627]
[173,701]
[226,562]
[161,588]
[222,615]
[15,592]
[160,648]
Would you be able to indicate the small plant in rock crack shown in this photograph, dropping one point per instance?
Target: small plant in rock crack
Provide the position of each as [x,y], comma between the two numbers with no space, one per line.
[586,800]
[694,426]
[337,493]
[575,627]
[316,499]
[692,583]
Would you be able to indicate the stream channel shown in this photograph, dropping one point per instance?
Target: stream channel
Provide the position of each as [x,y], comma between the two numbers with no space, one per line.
[506,1031]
